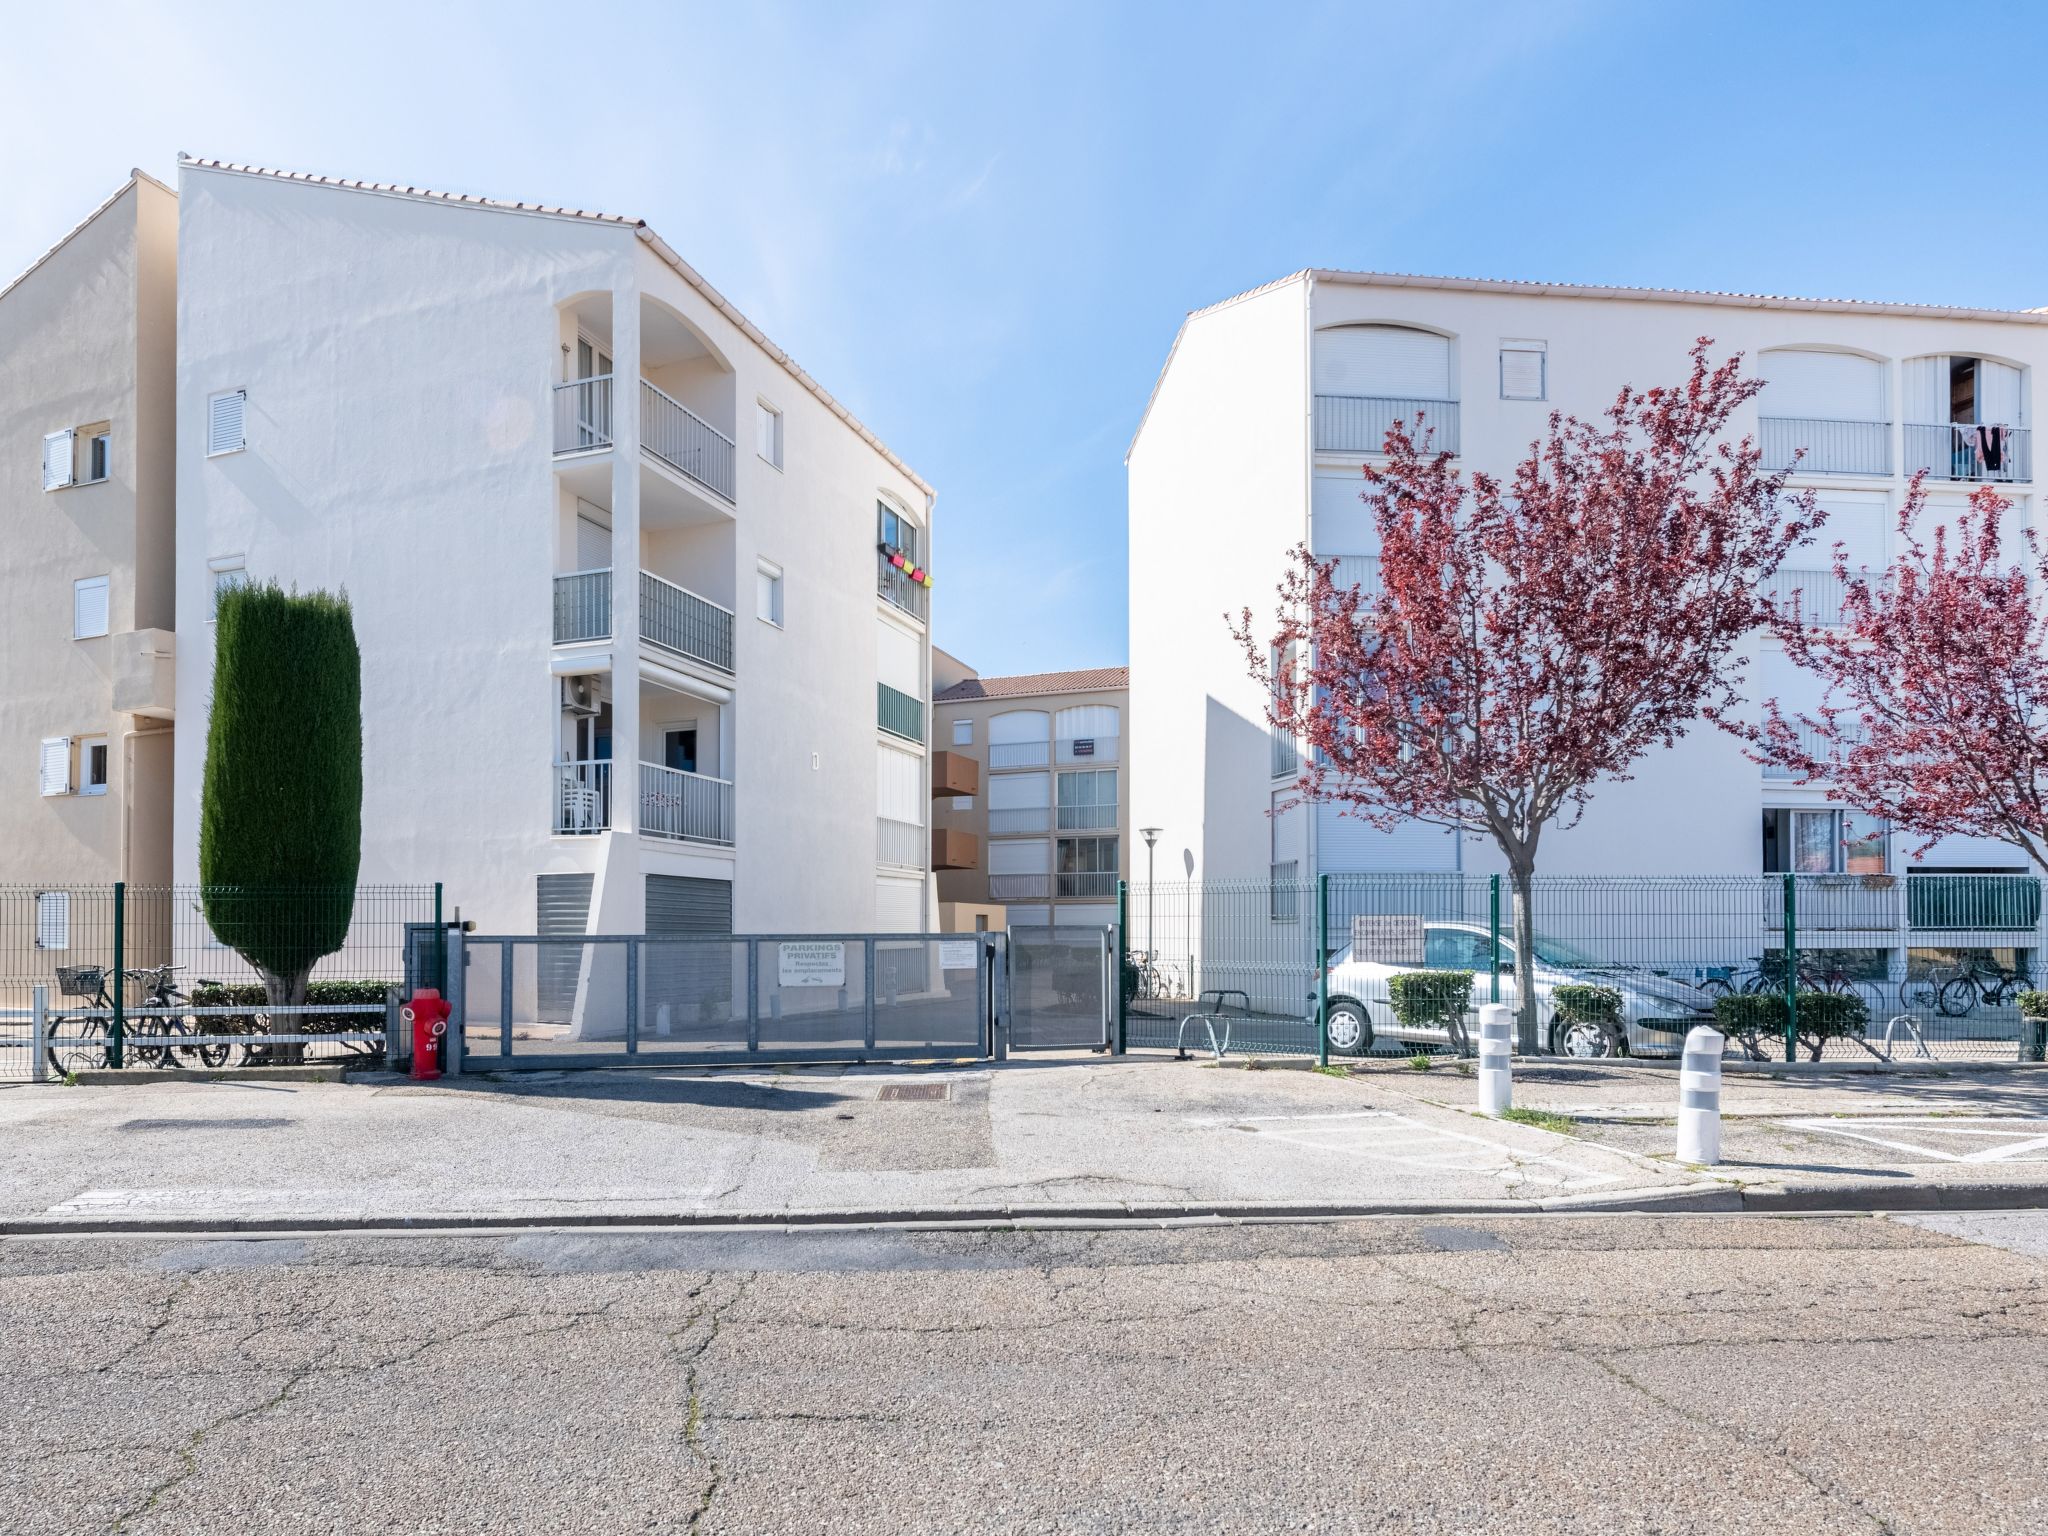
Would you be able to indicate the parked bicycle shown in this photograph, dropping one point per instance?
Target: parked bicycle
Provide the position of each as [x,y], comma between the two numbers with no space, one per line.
[1765,976]
[82,1040]
[1957,990]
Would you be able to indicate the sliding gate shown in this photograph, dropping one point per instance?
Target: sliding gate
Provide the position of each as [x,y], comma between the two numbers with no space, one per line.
[552,1001]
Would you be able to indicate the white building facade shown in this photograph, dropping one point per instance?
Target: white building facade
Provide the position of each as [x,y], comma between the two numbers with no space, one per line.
[636,654]
[1271,403]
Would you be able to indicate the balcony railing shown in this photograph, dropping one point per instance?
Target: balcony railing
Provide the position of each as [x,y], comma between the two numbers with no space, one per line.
[583,606]
[1014,821]
[1831,447]
[1087,749]
[1811,742]
[1819,594]
[899,713]
[685,441]
[583,797]
[1286,754]
[899,842]
[1018,754]
[1361,571]
[1019,887]
[583,414]
[690,807]
[1087,882]
[896,587]
[677,619]
[1358,423]
[1958,451]
[1087,818]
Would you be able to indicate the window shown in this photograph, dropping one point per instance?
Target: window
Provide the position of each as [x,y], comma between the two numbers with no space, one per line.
[57,459]
[768,592]
[229,574]
[963,733]
[963,802]
[53,766]
[1457,949]
[1823,842]
[897,557]
[224,413]
[1087,800]
[679,749]
[53,919]
[897,531]
[1283,903]
[92,765]
[1087,866]
[88,607]
[1522,370]
[768,432]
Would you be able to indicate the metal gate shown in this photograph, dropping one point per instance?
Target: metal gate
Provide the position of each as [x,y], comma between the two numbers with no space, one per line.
[1060,993]
[526,1001]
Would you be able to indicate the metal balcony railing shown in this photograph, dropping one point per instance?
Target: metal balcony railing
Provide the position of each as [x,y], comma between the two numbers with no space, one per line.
[1810,741]
[1087,818]
[1361,571]
[690,807]
[896,587]
[899,713]
[583,414]
[1358,423]
[583,797]
[1820,594]
[1830,447]
[1019,887]
[1013,821]
[1958,451]
[1018,754]
[1087,882]
[1286,754]
[685,441]
[899,842]
[677,619]
[583,606]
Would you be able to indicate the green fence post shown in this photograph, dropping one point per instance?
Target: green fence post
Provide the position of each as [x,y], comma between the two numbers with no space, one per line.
[437,970]
[1791,967]
[1123,917]
[1494,928]
[120,984]
[1322,970]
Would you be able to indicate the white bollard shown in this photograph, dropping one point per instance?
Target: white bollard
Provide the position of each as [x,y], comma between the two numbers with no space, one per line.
[1699,1097]
[1496,1080]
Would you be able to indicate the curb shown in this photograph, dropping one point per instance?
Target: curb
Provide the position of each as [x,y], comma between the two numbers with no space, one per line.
[1718,1199]
[108,1077]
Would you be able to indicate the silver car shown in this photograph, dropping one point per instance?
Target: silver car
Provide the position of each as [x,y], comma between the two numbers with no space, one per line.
[1657,1010]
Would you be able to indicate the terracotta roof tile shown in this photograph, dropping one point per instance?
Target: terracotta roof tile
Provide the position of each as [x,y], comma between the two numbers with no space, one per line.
[1087,680]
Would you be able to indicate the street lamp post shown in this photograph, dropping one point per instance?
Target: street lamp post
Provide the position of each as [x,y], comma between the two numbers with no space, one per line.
[1151,836]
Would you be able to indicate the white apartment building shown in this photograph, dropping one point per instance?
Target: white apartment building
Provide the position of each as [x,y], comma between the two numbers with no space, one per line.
[636,654]
[1269,405]
[87,375]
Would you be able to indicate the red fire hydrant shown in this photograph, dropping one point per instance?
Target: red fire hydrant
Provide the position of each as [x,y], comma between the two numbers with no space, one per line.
[427,1015]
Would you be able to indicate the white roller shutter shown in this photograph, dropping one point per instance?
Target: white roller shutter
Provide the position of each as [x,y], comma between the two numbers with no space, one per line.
[58,458]
[1087,733]
[899,906]
[593,543]
[1018,725]
[899,785]
[898,659]
[1858,521]
[1926,401]
[1027,857]
[1019,791]
[89,608]
[1823,386]
[224,414]
[1385,361]
[54,766]
[1346,845]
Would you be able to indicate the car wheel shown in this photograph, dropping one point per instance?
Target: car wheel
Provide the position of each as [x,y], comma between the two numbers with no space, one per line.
[1350,1029]
[1577,1037]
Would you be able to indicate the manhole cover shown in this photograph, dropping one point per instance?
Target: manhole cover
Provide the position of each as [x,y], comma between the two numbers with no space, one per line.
[254,1123]
[915,1091]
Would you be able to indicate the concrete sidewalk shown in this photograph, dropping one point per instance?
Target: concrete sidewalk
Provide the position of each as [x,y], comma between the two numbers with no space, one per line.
[1071,1139]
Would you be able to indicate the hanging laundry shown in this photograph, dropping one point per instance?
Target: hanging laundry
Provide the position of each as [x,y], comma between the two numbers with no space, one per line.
[1991,448]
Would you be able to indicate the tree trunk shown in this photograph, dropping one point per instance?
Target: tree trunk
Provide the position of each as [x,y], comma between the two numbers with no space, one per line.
[1521,873]
[285,990]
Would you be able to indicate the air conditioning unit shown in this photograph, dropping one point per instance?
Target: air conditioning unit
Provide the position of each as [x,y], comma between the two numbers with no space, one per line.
[579,695]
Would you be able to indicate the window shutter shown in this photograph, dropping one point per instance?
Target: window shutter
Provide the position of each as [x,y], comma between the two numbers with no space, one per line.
[89,608]
[55,771]
[224,421]
[57,460]
[1521,370]
[53,919]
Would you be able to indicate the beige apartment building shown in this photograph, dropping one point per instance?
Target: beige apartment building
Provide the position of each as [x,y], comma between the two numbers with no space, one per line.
[88,376]
[1031,825]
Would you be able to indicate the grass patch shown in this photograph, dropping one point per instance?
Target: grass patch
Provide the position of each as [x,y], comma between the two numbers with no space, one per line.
[1332,1071]
[1419,1062]
[1542,1119]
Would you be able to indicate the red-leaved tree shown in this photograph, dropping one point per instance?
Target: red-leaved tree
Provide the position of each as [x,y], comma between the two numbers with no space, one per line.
[1934,701]
[1532,638]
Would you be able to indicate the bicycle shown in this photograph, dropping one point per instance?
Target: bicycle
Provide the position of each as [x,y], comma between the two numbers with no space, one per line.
[83,1041]
[1981,981]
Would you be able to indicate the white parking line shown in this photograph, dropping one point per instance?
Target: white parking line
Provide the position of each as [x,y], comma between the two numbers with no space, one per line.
[1380,1135]
[2016,1138]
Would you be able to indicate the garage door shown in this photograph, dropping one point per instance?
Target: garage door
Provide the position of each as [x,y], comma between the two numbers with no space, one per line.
[695,981]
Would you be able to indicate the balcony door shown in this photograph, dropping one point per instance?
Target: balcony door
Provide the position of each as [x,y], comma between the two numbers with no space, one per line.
[594,399]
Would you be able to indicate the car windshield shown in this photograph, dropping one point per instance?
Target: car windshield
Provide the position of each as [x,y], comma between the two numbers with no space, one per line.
[1566,957]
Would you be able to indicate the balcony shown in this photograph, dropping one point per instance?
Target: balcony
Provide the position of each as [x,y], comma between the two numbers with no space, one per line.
[899,713]
[583,606]
[896,587]
[899,842]
[686,442]
[1087,882]
[672,618]
[1358,423]
[583,415]
[954,849]
[685,807]
[1819,594]
[583,798]
[1285,761]
[1018,754]
[1959,451]
[1019,887]
[1830,447]
[1088,818]
[953,774]
[1018,821]
[145,673]
[1811,742]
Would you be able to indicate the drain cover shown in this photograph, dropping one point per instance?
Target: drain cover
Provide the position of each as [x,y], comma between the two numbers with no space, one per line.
[915,1091]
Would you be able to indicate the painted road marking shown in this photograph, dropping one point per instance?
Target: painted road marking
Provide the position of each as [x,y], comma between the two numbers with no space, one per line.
[2011,1140]
[1380,1135]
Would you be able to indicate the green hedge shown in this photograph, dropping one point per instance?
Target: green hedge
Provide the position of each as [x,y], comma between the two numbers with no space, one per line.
[251,995]
[1579,1003]
[2033,1005]
[1823,1016]
[1430,999]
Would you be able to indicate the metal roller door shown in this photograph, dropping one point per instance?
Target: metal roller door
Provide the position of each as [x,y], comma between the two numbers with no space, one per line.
[561,906]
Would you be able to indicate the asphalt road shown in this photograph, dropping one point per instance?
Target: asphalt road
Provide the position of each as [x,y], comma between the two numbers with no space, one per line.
[1532,1374]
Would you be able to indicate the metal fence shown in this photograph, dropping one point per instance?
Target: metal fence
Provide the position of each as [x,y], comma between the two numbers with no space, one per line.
[1823,447]
[71,941]
[1938,960]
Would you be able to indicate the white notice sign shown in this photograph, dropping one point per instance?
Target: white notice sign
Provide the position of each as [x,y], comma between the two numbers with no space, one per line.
[811,963]
[1387,940]
[957,954]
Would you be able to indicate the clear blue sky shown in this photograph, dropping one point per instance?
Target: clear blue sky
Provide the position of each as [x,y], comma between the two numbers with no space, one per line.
[980,225]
